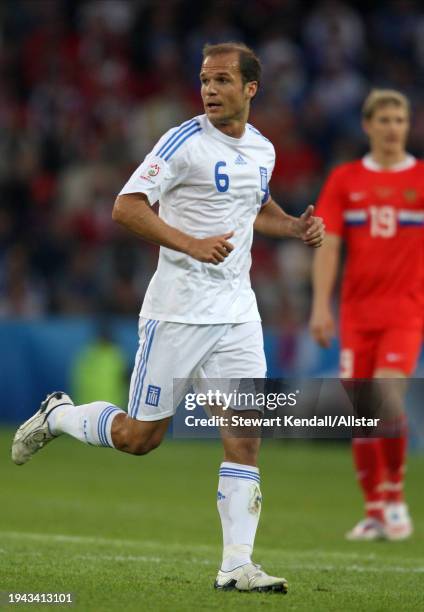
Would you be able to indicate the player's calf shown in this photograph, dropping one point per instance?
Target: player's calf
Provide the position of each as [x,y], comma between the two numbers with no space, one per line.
[137,437]
[243,451]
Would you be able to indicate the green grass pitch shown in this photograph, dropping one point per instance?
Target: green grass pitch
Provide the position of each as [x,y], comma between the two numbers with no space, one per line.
[142,533]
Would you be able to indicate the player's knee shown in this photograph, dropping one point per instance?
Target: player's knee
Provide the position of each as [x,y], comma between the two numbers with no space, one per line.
[135,437]
[243,450]
[142,442]
[145,445]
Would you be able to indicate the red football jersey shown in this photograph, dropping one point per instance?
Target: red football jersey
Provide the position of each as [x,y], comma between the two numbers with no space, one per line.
[380,216]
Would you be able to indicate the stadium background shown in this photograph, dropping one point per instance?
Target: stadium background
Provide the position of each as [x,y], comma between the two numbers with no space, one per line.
[86,88]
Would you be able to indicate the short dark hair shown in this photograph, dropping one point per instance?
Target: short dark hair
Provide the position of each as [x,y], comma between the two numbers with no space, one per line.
[250,65]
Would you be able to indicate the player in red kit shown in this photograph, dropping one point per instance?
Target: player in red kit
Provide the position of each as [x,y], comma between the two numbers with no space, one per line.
[375,206]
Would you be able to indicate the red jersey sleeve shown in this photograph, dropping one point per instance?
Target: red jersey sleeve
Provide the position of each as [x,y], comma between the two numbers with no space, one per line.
[330,203]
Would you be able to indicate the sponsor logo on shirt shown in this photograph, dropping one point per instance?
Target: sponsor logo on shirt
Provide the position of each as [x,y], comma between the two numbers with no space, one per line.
[240,160]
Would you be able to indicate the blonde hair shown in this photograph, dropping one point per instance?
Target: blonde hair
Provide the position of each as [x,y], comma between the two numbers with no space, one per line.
[378,98]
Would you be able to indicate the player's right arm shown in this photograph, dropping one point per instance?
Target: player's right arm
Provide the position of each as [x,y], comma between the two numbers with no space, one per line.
[324,274]
[326,260]
[163,169]
[133,211]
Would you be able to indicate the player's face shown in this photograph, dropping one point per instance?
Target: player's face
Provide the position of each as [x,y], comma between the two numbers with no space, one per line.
[224,96]
[388,129]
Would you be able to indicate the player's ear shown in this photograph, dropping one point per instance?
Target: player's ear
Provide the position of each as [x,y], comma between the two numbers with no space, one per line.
[251,89]
[366,126]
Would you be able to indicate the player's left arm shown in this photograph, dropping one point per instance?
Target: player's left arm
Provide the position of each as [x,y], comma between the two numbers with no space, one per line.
[274,222]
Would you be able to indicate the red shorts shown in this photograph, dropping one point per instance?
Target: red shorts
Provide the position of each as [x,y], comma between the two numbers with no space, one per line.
[365,351]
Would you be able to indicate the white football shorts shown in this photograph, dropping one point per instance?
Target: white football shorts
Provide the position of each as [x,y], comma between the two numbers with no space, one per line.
[169,351]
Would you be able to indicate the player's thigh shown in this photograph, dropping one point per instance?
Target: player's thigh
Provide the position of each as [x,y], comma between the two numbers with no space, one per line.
[168,352]
[398,352]
[238,354]
[236,366]
[358,352]
[396,360]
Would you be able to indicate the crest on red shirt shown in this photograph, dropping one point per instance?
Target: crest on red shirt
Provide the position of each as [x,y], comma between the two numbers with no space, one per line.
[410,195]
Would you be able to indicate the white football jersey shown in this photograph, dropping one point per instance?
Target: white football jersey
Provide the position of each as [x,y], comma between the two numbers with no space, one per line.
[207,184]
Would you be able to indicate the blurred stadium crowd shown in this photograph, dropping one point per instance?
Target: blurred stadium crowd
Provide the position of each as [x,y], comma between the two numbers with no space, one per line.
[86,89]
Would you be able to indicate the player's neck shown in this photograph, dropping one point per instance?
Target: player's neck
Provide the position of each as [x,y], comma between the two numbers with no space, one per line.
[233,128]
[387,159]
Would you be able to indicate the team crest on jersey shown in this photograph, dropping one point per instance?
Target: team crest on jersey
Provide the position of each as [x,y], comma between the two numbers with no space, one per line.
[153,170]
[410,195]
[153,395]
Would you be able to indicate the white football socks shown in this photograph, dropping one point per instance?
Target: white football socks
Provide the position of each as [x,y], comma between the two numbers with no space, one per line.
[239,506]
[90,423]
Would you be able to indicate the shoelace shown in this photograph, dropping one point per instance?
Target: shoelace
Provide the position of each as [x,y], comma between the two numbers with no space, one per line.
[255,572]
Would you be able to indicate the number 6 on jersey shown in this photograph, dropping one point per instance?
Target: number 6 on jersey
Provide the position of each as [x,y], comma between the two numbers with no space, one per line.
[222,181]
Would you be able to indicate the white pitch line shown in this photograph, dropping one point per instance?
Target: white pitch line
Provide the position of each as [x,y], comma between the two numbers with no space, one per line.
[143,559]
[178,547]
[72,539]
[289,566]
[397,569]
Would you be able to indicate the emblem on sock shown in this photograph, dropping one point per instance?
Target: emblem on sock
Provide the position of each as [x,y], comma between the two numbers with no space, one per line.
[255,502]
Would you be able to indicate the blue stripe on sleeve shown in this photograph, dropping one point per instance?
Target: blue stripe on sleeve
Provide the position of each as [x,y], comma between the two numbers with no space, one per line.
[266,196]
[181,130]
[180,141]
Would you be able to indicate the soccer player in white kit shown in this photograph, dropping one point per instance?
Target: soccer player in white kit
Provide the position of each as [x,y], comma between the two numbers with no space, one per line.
[199,317]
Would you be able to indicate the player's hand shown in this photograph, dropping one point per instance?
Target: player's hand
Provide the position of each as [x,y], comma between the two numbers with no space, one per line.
[310,229]
[322,326]
[212,250]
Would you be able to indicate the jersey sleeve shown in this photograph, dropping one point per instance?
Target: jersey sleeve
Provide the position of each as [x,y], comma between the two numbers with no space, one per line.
[156,174]
[330,204]
[266,174]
